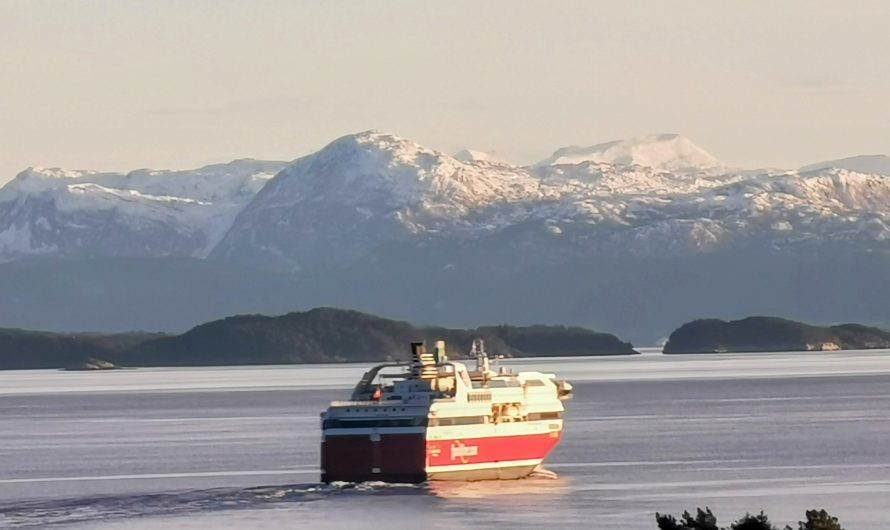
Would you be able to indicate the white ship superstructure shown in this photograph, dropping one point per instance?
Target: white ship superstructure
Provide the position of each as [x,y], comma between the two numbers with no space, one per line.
[434,419]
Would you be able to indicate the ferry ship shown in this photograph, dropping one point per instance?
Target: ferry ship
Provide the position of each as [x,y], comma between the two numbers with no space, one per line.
[435,419]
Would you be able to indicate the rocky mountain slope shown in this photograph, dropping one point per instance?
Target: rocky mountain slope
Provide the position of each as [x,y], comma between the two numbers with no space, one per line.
[63,213]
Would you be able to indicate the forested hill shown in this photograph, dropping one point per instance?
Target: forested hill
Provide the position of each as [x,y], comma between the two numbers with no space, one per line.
[334,335]
[754,334]
[316,336]
[21,349]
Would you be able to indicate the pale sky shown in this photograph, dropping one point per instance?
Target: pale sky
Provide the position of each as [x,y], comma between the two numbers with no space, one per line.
[124,84]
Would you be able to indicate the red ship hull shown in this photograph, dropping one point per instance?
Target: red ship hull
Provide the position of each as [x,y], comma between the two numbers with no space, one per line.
[411,458]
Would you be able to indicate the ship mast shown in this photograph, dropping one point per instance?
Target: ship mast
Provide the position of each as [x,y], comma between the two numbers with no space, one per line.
[477,350]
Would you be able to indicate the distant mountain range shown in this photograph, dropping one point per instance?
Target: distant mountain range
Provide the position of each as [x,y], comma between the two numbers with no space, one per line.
[633,236]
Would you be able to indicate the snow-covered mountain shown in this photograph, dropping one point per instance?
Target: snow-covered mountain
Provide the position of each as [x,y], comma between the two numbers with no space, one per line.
[669,152]
[366,190]
[365,193]
[869,164]
[142,213]
[369,193]
[473,155]
[636,238]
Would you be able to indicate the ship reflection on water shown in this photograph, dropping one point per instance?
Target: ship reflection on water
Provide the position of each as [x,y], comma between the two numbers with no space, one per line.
[540,483]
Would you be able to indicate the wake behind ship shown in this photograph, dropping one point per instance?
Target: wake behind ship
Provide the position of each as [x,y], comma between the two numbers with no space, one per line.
[434,419]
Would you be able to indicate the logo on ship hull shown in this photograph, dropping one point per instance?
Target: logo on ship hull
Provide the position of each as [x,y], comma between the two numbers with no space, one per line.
[462,452]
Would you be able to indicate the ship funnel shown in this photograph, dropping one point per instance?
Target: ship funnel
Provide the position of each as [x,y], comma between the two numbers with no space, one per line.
[423,364]
[441,355]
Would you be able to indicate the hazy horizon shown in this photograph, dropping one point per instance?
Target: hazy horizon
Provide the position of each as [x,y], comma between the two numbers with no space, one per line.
[119,85]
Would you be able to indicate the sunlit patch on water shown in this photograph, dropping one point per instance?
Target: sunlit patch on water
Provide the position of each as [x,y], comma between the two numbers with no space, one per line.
[541,482]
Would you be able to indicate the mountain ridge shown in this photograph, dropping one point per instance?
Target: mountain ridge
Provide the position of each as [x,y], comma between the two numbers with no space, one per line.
[871,164]
[143,212]
[381,223]
[366,191]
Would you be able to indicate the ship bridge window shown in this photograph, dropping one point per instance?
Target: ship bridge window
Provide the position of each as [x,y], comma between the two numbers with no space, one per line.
[532,416]
[534,382]
[497,383]
[479,395]
[465,420]
[371,423]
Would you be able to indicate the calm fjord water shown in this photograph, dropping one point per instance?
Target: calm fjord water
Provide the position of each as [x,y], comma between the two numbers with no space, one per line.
[188,448]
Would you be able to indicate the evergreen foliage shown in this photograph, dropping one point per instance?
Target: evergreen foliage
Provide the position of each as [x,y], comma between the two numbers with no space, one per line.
[753,522]
[706,520]
[703,520]
[819,520]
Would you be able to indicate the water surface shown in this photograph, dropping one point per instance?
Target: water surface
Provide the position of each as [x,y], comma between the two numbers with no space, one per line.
[188,448]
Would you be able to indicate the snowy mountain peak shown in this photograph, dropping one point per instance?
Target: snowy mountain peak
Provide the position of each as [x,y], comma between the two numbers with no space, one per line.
[668,152]
[50,172]
[36,180]
[374,164]
[364,190]
[361,162]
[370,143]
[472,155]
[873,164]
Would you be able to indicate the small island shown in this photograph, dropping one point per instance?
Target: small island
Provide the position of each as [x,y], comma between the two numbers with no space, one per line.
[322,335]
[764,334]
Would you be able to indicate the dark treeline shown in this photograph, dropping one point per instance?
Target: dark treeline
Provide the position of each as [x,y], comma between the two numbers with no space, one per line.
[706,520]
